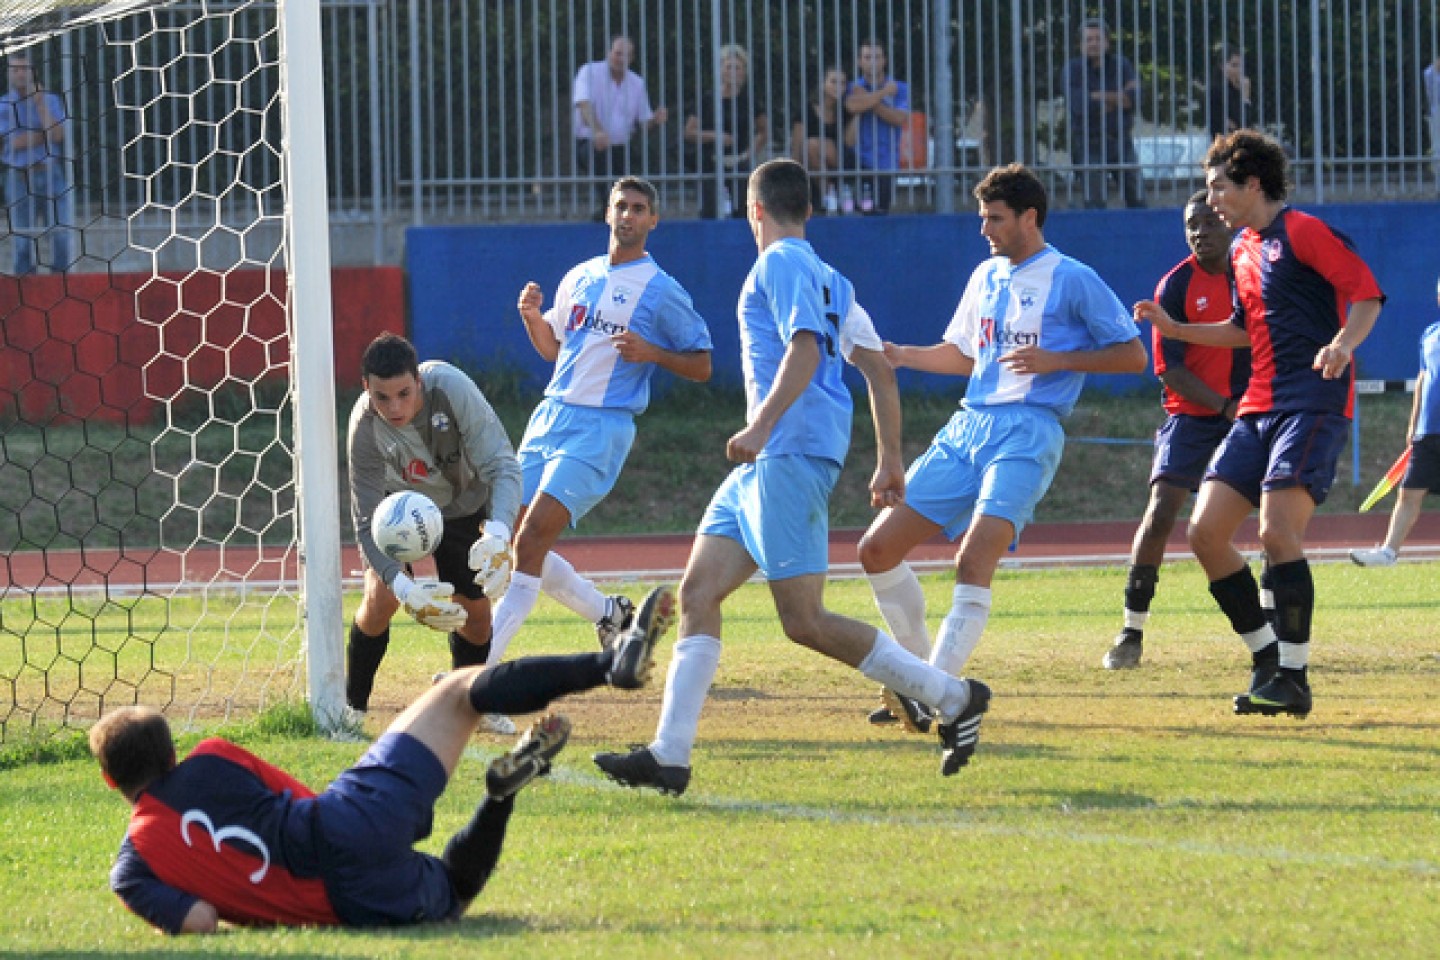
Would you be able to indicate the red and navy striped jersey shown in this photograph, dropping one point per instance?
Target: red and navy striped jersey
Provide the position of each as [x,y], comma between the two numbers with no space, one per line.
[1191,295]
[1294,282]
[226,827]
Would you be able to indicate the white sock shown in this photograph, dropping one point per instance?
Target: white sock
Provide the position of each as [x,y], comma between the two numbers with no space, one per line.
[509,614]
[1135,619]
[901,602]
[961,629]
[1294,656]
[692,671]
[1257,640]
[897,668]
[569,588]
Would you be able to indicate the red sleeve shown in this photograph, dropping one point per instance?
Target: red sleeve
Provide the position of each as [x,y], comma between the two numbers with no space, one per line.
[270,775]
[1170,294]
[1331,255]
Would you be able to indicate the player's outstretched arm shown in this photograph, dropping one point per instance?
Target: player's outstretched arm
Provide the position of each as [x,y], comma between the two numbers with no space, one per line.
[943,358]
[1221,334]
[887,484]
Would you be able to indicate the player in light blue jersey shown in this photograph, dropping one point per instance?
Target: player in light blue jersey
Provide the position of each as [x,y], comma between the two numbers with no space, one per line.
[614,320]
[798,322]
[1031,323]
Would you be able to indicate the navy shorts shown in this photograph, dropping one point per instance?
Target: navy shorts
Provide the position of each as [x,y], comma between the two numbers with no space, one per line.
[1276,451]
[367,822]
[452,555]
[1184,445]
[1424,470]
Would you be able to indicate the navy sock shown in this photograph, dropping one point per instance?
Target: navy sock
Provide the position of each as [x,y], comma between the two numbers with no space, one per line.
[463,653]
[530,683]
[1140,587]
[471,854]
[363,654]
[1239,599]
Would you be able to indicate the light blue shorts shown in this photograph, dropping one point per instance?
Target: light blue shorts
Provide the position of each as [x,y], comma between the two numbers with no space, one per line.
[997,462]
[778,508]
[574,454]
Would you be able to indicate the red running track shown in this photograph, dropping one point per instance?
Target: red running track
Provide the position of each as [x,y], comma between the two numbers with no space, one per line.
[662,556]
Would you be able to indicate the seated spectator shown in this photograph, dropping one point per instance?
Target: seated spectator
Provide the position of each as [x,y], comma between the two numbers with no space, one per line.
[738,136]
[611,102]
[822,139]
[882,105]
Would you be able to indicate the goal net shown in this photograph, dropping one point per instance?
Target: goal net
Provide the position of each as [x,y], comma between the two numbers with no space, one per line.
[151,498]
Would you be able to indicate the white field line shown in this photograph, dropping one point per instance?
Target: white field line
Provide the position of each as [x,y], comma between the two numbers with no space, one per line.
[962,824]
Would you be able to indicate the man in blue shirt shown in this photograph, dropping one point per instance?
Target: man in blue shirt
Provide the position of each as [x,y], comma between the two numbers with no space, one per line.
[33,124]
[1031,323]
[615,319]
[798,322]
[882,105]
[1102,94]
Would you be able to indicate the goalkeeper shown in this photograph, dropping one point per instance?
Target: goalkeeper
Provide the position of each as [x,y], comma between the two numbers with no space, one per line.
[427,427]
[223,835]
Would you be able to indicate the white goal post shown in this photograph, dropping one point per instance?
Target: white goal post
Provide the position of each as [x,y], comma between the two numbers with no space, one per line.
[169,494]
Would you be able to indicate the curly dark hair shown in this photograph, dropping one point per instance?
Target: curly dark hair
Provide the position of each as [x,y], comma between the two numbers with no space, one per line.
[1243,154]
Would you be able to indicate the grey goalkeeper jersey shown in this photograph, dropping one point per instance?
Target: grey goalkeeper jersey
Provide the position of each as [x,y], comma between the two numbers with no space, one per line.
[455,452]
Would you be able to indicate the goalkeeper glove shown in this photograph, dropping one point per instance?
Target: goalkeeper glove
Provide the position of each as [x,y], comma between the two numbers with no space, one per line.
[429,602]
[490,559]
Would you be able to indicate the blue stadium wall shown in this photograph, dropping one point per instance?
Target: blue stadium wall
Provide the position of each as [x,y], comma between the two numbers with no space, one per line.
[909,272]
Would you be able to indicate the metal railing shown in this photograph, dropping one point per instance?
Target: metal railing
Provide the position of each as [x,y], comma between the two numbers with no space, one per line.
[460,110]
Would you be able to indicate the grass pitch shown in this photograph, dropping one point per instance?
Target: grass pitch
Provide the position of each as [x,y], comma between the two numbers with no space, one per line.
[1105,814]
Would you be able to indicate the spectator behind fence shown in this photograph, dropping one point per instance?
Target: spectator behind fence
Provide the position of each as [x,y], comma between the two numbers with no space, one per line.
[882,105]
[33,125]
[1230,104]
[610,103]
[1102,92]
[1432,100]
[742,133]
[822,138]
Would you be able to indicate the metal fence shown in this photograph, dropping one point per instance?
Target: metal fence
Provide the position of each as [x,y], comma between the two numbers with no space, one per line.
[461,110]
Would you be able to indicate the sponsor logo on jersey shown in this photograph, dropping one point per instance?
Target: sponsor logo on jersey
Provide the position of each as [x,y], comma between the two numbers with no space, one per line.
[1201,303]
[582,319]
[415,471]
[1005,337]
[1272,249]
[439,421]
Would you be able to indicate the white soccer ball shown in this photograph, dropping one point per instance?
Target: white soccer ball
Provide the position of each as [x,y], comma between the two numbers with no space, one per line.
[407,526]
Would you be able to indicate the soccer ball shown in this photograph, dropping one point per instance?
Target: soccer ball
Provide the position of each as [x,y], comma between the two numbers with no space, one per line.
[407,526]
